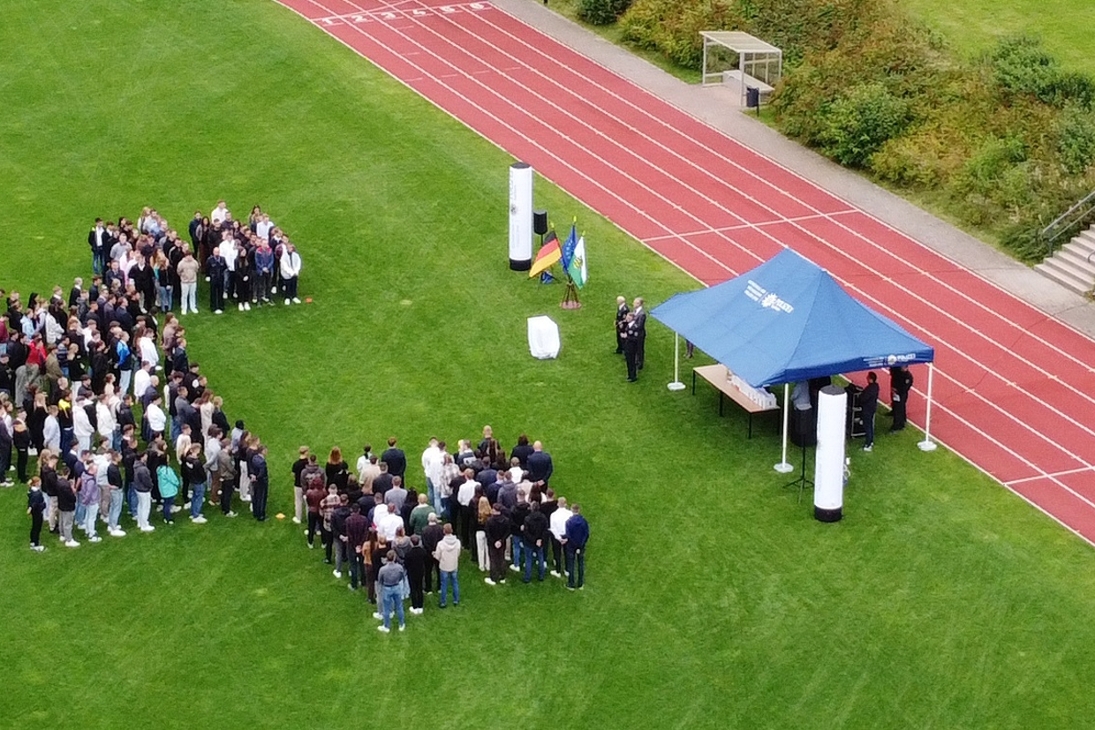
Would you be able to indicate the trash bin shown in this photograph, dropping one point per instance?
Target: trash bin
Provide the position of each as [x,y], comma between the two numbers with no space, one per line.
[752,97]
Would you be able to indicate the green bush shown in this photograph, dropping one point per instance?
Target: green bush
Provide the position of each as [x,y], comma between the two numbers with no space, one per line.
[857,124]
[1075,131]
[601,12]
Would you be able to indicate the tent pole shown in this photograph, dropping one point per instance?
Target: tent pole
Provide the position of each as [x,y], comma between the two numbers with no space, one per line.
[783,467]
[927,444]
[676,384]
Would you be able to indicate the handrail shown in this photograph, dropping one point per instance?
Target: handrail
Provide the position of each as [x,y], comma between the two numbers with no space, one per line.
[1067,220]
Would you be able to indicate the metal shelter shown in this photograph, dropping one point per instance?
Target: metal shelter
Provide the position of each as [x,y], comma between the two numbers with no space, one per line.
[759,64]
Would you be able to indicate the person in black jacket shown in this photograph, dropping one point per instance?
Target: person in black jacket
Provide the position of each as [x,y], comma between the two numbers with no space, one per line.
[193,474]
[517,522]
[260,484]
[394,458]
[66,508]
[868,404]
[36,507]
[431,536]
[901,382]
[415,563]
[498,529]
[621,318]
[533,533]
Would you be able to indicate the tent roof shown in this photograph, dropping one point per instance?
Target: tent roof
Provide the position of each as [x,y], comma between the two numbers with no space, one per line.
[788,320]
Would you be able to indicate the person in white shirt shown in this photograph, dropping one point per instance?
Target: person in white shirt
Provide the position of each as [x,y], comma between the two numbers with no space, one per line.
[149,354]
[141,380]
[106,424]
[557,526]
[157,419]
[81,425]
[363,464]
[387,523]
[218,214]
[432,463]
[263,226]
[51,431]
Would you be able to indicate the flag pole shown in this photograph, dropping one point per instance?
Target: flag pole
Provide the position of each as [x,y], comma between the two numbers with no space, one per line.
[927,444]
[783,467]
[676,384]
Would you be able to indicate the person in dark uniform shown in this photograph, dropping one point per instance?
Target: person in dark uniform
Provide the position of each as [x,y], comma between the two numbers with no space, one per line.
[639,312]
[621,322]
[901,382]
[868,404]
[630,337]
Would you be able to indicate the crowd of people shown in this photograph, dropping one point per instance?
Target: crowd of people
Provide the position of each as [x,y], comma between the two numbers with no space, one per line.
[396,542]
[99,387]
[248,263]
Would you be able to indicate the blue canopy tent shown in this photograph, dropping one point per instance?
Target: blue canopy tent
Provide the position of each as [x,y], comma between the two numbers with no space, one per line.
[788,320]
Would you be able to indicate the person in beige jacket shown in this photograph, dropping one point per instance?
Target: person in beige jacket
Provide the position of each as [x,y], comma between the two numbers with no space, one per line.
[188,269]
[447,555]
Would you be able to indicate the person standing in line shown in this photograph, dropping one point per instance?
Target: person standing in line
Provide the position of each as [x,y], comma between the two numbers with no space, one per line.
[517,522]
[226,470]
[142,485]
[187,270]
[169,484]
[216,268]
[557,526]
[116,487]
[432,535]
[357,533]
[415,563]
[298,484]
[577,536]
[901,382]
[89,498]
[260,483]
[621,322]
[630,335]
[639,315]
[533,534]
[338,535]
[498,529]
[193,469]
[868,404]
[314,497]
[390,579]
[66,510]
[482,553]
[289,265]
[447,555]
[540,466]
[394,457]
[326,511]
[36,508]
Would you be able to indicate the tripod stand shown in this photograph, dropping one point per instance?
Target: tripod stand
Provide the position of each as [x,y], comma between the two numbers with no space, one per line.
[802,482]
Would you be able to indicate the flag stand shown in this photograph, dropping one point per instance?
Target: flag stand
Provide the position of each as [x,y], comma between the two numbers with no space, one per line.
[570,296]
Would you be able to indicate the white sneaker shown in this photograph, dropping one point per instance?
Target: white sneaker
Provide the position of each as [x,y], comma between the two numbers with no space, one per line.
[287,302]
[117,533]
[336,573]
[241,306]
[72,543]
[515,569]
[868,448]
[247,306]
[199,520]
[556,574]
[95,538]
[273,290]
[38,548]
[489,582]
[383,629]
[187,505]
[416,611]
[296,300]
[402,627]
[207,278]
[311,546]
[175,509]
[296,521]
[148,528]
[350,587]
[377,616]
[193,311]
[231,514]
[218,311]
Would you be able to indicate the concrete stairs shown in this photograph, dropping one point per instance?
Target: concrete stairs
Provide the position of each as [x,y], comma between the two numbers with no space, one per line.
[1073,265]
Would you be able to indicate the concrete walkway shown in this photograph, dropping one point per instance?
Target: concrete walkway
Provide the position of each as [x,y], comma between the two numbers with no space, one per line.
[718,107]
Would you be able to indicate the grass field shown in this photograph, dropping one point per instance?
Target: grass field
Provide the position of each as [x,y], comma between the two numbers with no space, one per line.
[971,26]
[713,599]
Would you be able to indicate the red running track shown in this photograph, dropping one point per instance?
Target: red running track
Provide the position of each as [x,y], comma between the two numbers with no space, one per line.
[1011,386]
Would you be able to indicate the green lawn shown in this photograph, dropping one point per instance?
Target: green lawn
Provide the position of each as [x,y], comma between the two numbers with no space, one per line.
[971,26]
[714,599]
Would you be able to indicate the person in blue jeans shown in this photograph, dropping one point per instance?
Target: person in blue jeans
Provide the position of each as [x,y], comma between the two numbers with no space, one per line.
[447,555]
[194,472]
[577,536]
[390,579]
[534,533]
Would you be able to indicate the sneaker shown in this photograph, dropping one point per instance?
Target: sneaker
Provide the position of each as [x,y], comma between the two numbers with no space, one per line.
[218,311]
[199,520]
[193,311]
[417,611]
[515,569]
[273,290]
[311,546]
[489,582]
[38,548]
[296,300]
[95,538]
[351,587]
[117,533]
[176,509]
[570,588]
[296,521]
[148,528]
[377,616]
[247,306]
[207,278]
[241,306]
[187,505]
[336,573]
[556,574]
[868,448]
[231,514]
[287,302]
[383,629]
[402,627]
[72,544]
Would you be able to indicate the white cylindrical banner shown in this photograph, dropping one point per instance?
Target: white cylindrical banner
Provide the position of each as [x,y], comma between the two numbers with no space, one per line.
[829,459]
[520,216]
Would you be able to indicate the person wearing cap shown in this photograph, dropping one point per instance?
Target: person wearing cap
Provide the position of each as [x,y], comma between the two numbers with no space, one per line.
[431,536]
[390,580]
